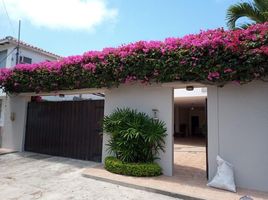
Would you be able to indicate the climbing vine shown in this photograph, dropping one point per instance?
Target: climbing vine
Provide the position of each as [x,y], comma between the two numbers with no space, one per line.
[212,57]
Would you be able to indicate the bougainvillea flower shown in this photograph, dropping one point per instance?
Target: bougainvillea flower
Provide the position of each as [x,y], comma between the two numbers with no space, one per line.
[210,57]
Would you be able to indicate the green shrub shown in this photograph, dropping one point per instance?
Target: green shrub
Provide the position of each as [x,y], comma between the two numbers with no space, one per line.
[116,166]
[210,57]
[134,137]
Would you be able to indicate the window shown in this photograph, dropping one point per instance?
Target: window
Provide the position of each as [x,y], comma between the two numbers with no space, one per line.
[3,58]
[24,59]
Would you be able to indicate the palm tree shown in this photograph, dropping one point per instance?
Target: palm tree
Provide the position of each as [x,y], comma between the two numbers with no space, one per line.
[256,11]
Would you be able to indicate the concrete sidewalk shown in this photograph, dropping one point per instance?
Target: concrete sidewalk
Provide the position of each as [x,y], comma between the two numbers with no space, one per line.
[6,151]
[177,186]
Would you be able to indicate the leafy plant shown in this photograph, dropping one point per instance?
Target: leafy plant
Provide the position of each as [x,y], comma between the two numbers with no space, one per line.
[257,12]
[115,165]
[134,136]
[211,57]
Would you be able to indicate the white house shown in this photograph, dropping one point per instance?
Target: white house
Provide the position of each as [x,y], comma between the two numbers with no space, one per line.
[237,124]
[27,54]
[236,118]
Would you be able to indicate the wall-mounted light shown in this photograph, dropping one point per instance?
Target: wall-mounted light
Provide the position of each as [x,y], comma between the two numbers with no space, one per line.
[189,88]
[155,114]
[12,116]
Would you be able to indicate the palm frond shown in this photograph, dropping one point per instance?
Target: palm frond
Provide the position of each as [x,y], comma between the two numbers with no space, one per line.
[245,9]
[261,5]
[244,26]
[134,136]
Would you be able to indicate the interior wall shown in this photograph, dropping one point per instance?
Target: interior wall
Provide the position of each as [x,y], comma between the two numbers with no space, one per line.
[183,114]
[144,99]
[237,131]
[176,119]
[184,118]
[200,112]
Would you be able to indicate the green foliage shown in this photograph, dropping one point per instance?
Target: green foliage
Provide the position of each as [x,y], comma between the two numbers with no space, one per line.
[257,12]
[114,165]
[214,57]
[134,136]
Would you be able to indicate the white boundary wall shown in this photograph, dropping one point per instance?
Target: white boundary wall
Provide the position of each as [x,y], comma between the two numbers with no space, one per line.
[237,125]
[144,99]
[13,136]
[238,131]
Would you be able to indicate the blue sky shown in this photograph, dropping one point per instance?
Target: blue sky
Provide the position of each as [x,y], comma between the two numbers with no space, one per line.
[111,23]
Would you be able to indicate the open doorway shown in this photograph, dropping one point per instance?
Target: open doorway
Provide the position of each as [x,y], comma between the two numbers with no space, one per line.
[190,133]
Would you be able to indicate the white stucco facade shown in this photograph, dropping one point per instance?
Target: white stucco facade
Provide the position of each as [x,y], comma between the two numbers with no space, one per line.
[237,125]
[14,122]
[144,99]
[238,131]
[35,54]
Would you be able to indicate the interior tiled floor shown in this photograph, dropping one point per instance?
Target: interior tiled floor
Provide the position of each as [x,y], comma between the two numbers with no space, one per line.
[190,158]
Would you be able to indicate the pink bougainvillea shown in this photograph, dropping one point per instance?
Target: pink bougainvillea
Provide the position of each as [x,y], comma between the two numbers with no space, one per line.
[90,66]
[211,57]
[130,79]
[227,70]
[213,75]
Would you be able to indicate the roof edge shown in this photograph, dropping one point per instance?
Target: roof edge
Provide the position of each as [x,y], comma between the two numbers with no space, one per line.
[14,41]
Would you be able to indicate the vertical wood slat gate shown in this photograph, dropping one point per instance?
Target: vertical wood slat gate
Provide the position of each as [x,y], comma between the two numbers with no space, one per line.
[69,129]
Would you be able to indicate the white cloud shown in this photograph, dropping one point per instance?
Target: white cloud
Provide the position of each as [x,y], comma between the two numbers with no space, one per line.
[62,14]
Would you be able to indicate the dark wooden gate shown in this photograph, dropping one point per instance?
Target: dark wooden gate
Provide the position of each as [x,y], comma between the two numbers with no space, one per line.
[69,129]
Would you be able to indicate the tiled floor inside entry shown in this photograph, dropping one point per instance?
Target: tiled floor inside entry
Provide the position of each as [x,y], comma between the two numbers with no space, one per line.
[190,158]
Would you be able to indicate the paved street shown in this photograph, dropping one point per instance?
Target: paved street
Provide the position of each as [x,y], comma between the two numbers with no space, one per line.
[35,176]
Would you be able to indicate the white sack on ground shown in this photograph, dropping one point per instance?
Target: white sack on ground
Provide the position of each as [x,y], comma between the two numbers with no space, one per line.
[224,178]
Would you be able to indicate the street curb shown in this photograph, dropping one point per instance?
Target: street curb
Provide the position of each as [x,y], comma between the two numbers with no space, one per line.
[148,189]
[5,153]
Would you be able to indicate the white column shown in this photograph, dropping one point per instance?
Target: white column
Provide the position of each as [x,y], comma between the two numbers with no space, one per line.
[213,129]
[14,122]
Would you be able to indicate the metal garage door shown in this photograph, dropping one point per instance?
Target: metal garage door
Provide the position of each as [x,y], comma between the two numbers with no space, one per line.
[69,129]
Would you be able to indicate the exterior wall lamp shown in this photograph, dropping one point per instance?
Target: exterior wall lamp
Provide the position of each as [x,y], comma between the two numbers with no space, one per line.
[155,114]
[12,116]
[189,88]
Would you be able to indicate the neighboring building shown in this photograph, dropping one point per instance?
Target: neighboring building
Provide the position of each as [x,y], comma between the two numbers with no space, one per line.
[27,54]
